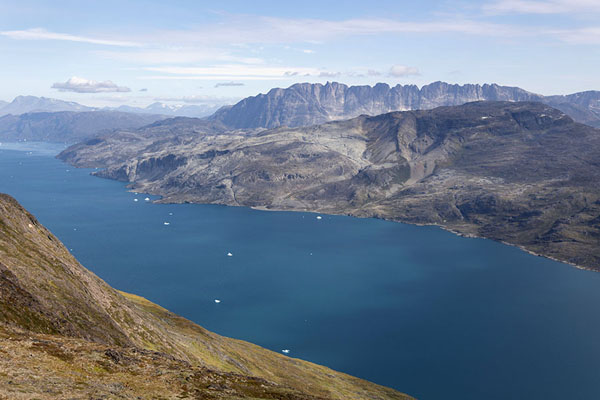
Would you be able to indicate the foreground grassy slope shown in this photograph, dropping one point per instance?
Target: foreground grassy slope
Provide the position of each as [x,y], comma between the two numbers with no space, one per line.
[87,332]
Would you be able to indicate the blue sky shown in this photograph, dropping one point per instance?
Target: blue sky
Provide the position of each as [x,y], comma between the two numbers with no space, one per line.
[204,52]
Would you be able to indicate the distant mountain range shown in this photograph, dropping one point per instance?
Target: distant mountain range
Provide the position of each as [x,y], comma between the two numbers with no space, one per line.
[68,126]
[174,110]
[308,104]
[305,104]
[32,104]
[519,172]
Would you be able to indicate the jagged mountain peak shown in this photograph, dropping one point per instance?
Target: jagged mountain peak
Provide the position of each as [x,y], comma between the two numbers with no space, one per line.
[307,103]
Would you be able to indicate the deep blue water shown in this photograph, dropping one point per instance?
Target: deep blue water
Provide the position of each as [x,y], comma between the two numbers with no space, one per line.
[416,308]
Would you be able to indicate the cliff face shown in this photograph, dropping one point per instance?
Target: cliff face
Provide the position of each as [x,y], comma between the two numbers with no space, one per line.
[307,104]
[523,173]
[79,337]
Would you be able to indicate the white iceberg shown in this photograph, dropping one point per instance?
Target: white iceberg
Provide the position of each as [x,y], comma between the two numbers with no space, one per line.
[229,255]
[217,301]
[285,351]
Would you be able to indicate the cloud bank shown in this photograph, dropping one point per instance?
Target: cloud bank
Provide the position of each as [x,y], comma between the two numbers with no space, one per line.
[81,85]
[42,34]
[399,71]
[222,84]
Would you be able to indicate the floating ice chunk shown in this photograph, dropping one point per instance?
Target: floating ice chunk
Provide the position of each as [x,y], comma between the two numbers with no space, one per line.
[166,223]
[285,351]
[229,255]
[217,301]
[147,199]
[135,199]
[319,217]
[170,213]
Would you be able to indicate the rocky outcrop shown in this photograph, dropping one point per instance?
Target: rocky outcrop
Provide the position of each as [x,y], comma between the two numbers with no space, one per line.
[307,104]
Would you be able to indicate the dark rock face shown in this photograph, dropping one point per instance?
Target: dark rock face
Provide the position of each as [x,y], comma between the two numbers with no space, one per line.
[67,126]
[519,172]
[307,104]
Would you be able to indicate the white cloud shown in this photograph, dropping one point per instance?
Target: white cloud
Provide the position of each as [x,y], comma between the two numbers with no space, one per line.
[231,72]
[327,74]
[398,71]
[542,6]
[81,85]
[198,99]
[244,29]
[42,34]
[589,35]
[165,53]
[223,84]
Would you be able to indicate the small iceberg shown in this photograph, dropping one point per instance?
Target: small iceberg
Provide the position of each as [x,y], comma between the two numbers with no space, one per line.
[319,217]
[135,199]
[166,223]
[217,301]
[147,199]
[229,255]
[285,351]
[170,213]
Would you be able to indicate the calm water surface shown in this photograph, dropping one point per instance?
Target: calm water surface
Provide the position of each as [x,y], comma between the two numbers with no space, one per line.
[414,308]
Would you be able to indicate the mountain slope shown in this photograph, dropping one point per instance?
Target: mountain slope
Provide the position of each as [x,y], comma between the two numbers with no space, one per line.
[305,104]
[523,173]
[29,104]
[584,107]
[67,126]
[173,110]
[90,339]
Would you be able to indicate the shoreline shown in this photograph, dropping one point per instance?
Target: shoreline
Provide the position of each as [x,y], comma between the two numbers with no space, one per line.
[448,229]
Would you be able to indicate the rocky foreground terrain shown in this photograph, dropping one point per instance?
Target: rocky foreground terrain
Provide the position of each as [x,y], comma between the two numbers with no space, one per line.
[522,173]
[65,334]
[308,104]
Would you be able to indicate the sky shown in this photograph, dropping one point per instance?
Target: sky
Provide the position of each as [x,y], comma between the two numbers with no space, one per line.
[109,53]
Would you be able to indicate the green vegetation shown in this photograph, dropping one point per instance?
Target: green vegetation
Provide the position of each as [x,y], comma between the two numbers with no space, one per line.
[79,338]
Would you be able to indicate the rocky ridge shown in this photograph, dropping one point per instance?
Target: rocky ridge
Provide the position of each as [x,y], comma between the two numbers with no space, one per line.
[308,104]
